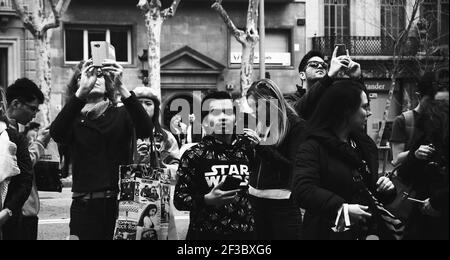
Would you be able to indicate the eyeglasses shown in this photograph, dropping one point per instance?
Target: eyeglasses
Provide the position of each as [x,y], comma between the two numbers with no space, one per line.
[33,109]
[316,64]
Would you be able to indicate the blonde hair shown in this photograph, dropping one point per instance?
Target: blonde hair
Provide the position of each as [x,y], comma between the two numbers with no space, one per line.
[267,89]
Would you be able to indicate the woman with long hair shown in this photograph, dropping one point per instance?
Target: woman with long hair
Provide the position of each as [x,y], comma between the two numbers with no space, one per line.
[162,149]
[426,169]
[277,131]
[335,159]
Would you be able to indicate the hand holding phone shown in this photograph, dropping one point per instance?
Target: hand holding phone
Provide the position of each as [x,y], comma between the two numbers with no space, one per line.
[101,51]
[342,50]
[231,183]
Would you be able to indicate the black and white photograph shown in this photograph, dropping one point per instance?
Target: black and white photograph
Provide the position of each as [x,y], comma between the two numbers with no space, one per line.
[224,121]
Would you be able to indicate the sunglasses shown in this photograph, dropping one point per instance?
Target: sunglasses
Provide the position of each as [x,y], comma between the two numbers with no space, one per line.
[316,64]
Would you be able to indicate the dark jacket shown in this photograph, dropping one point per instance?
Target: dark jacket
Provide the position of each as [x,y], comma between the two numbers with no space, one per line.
[202,168]
[20,186]
[323,179]
[430,180]
[306,105]
[274,165]
[99,146]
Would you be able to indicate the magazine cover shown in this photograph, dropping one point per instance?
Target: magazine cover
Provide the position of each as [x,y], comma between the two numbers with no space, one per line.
[129,210]
[127,189]
[148,191]
[144,207]
[125,230]
[165,204]
[144,233]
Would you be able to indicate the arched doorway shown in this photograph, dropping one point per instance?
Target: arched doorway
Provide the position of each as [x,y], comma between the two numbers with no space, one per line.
[184,104]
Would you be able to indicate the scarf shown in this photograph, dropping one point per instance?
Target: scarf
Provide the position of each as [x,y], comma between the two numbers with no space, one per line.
[94,111]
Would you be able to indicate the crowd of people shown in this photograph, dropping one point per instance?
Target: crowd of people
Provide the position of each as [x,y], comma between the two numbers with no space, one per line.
[305,168]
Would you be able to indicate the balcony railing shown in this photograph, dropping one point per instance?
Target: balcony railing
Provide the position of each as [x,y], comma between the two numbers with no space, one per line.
[6,5]
[357,45]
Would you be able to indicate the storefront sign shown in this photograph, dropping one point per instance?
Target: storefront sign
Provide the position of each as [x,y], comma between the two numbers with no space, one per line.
[378,86]
[277,59]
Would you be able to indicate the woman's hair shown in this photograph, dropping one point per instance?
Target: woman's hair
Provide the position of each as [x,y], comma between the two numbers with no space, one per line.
[146,213]
[268,90]
[73,85]
[156,117]
[433,121]
[336,106]
[3,106]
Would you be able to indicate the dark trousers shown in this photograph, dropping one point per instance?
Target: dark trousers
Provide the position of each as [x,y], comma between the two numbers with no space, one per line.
[10,229]
[93,219]
[276,219]
[28,228]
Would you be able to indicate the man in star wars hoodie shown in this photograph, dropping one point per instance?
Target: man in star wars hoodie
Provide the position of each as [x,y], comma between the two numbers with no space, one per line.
[217,212]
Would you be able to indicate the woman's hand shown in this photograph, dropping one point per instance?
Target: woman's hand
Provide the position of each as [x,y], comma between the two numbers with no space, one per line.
[114,73]
[385,185]
[87,80]
[424,152]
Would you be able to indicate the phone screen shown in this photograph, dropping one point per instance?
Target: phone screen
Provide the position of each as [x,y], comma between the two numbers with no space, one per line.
[102,50]
[231,183]
[342,50]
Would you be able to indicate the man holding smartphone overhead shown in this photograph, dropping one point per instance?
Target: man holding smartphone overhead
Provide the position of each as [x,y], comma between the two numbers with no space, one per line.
[317,75]
[213,177]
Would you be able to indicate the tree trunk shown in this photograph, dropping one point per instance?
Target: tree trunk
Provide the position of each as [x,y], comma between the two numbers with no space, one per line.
[154,22]
[248,53]
[44,75]
[386,109]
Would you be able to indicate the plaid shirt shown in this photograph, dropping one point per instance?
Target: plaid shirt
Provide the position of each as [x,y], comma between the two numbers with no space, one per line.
[201,169]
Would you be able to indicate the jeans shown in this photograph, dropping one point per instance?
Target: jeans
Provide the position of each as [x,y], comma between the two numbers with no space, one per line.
[93,219]
[276,219]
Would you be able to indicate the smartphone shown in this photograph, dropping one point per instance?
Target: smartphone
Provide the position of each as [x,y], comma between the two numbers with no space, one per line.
[232,183]
[342,50]
[102,50]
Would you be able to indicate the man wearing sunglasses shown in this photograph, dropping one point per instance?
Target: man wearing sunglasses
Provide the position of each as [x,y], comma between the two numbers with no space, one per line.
[317,75]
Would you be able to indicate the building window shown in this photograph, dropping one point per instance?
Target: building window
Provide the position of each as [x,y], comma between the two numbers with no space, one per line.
[436,14]
[337,18]
[78,47]
[277,48]
[393,19]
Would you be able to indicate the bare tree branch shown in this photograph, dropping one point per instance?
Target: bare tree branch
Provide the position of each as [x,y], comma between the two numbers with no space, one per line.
[252,20]
[143,5]
[62,6]
[55,20]
[170,12]
[238,34]
[26,18]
